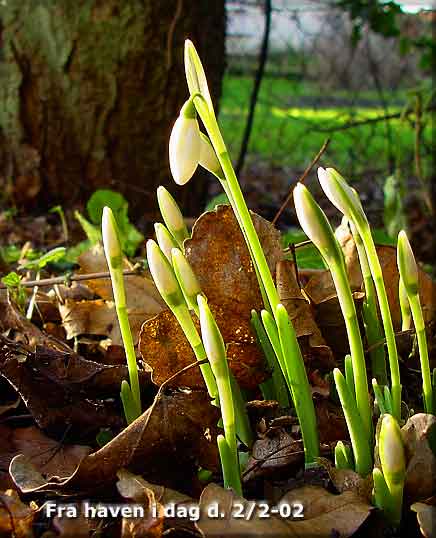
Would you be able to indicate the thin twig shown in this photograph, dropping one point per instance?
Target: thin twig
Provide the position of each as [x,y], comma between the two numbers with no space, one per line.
[256,86]
[302,178]
[69,278]
[352,124]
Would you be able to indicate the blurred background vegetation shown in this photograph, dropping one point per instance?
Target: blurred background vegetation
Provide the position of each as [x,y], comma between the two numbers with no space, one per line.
[356,72]
[90,92]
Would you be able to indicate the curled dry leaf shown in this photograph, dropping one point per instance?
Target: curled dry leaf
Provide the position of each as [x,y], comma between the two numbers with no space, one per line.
[165,444]
[61,388]
[135,488]
[419,436]
[348,480]
[219,257]
[98,317]
[273,455]
[23,331]
[315,351]
[16,518]
[426,516]
[325,515]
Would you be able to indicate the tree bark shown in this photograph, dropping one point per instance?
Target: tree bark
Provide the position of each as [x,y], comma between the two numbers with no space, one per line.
[89,92]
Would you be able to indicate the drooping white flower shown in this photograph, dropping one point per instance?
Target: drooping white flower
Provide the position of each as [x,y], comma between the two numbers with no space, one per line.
[185,144]
[208,158]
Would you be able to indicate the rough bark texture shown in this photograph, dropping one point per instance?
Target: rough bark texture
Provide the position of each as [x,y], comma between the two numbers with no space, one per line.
[89,92]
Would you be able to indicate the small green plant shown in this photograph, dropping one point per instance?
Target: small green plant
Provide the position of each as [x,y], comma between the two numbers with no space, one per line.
[409,276]
[316,226]
[130,238]
[389,478]
[189,148]
[344,198]
[130,393]
[216,353]
[16,290]
[52,256]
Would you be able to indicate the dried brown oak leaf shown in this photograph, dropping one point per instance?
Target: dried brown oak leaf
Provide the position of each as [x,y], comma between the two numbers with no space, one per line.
[98,317]
[219,257]
[419,436]
[325,515]
[165,444]
[313,346]
[61,389]
[48,456]
[426,516]
[135,488]
[16,518]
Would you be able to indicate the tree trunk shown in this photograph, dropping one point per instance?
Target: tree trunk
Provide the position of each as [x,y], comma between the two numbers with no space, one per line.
[89,92]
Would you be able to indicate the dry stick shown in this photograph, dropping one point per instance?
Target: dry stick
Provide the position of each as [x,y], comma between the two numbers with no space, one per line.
[73,278]
[302,179]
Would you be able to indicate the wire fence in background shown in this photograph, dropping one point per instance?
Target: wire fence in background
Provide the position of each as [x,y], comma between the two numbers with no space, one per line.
[315,85]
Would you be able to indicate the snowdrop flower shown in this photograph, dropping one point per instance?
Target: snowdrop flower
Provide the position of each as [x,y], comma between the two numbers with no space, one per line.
[208,158]
[314,223]
[163,275]
[185,144]
[164,239]
[172,215]
[111,242]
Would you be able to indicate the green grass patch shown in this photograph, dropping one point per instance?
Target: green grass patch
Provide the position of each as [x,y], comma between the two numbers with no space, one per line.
[288,124]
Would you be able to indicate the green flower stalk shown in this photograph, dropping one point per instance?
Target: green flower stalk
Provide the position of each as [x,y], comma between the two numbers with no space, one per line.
[373,329]
[346,200]
[200,95]
[379,398]
[349,375]
[131,398]
[409,275]
[298,384]
[279,391]
[358,434]
[389,480]
[317,228]
[169,288]
[164,239]
[406,313]
[172,216]
[186,278]
[343,456]
[216,352]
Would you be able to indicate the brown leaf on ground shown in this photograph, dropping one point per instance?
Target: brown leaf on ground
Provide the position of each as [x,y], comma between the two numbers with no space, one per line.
[61,389]
[67,527]
[426,516]
[135,488]
[331,421]
[221,261]
[165,444]
[315,351]
[16,518]
[274,455]
[23,331]
[141,292]
[419,434]
[98,317]
[325,515]
[348,480]
[48,456]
